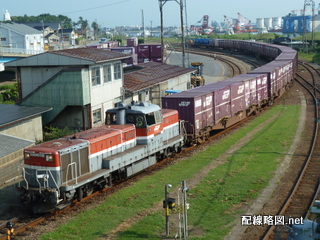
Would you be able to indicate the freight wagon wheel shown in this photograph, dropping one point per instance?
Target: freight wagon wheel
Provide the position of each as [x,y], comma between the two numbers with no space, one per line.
[178,149]
[201,139]
[270,102]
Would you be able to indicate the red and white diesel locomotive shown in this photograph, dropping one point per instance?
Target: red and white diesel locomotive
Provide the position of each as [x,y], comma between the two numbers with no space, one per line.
[135,137]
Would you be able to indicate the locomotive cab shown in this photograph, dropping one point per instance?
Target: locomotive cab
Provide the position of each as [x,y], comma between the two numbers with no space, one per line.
[145,116]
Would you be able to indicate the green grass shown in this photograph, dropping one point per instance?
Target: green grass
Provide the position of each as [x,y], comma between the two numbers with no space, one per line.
[213,203]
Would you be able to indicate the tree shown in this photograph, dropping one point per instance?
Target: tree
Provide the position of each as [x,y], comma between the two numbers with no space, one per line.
[45,17]
[83,25]
[95,28]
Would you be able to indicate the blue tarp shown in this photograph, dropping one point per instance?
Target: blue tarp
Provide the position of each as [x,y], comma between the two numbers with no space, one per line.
[172,91]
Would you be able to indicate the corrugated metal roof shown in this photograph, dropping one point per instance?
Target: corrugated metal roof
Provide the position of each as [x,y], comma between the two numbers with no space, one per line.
[53,25]
[91,54]
[14,113]
[20,28]
[68,57]
[10,144]
[150,74]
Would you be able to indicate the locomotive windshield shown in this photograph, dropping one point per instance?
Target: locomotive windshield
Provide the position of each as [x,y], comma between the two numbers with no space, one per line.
[144,120]
[153,118]
[111,118]
[141,115]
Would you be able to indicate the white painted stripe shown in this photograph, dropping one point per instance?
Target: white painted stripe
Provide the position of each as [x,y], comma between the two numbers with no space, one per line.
[145,137]
[171,126]
[112,148]
[32,167]
[222,104]
[237,98]
[210,109]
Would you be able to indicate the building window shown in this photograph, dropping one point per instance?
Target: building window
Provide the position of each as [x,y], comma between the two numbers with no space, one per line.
[117,71]
[107,75]
[96,116]
[95,76]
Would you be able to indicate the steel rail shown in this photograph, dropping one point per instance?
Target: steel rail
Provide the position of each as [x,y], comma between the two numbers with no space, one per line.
[270,231]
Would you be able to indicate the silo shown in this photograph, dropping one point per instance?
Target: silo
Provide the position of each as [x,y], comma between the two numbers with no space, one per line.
[276,22]
[259,23]
[268,23]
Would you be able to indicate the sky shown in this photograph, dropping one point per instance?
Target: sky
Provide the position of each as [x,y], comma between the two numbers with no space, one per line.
[112,13]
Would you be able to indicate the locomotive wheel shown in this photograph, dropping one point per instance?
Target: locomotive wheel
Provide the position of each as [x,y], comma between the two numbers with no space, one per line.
[89,192]
[79,194]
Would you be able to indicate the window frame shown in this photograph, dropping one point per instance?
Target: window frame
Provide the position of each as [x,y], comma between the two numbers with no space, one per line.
[117,71]
[95,76]
[95,116]
[107,73]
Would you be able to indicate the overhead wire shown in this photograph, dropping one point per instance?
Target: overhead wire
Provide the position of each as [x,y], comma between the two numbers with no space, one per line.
[93,8]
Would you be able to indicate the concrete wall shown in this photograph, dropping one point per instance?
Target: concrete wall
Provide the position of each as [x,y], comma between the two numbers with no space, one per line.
[29,129]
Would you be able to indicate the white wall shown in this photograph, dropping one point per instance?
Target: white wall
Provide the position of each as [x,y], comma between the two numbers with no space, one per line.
[103,96]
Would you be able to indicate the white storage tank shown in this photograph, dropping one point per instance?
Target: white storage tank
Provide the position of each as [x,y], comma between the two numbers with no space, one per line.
[268,23]
[259,23]
[276,22]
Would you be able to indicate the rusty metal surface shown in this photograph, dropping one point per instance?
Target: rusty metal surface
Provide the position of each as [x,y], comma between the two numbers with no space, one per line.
[151,73]
[92,54]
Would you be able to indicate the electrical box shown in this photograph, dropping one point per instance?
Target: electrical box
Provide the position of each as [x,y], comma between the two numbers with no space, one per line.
[171,203]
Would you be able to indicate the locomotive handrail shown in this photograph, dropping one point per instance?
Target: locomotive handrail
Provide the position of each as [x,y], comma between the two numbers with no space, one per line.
[47,172]
[67,174]
[24,177]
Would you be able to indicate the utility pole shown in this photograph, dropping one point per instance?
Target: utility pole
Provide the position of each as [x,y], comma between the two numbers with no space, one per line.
[161,4]
[143,29]
[308,3]
[182,35]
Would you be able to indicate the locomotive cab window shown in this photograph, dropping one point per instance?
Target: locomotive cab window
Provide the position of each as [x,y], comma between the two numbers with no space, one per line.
[111,118]
[140,121]
[153,118]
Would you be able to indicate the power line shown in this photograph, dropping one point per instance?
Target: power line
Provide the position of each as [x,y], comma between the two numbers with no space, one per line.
[93,8]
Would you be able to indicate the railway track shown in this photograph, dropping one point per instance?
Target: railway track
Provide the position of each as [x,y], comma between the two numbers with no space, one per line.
[305,190]
[232,59]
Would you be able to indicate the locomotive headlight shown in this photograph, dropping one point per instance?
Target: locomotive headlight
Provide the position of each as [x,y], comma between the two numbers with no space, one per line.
[49,158]
[27,155]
